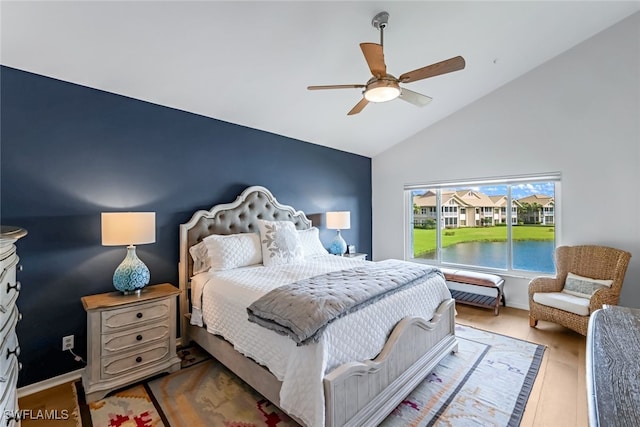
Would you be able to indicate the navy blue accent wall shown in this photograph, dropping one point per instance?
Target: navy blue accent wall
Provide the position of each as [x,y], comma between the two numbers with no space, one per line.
[69,152]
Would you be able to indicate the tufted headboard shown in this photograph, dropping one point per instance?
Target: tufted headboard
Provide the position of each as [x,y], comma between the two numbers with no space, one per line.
[240,216]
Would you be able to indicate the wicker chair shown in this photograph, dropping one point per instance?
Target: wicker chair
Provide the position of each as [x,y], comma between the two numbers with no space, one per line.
[597,262]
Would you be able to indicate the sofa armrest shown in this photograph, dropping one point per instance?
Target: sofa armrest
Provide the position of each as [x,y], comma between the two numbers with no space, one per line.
[544,284]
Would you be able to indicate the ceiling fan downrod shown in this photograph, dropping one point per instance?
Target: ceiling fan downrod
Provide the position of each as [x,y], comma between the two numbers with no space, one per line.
[380,22]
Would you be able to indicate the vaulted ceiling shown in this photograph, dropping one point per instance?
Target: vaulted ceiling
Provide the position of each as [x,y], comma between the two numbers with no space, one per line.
[250,62]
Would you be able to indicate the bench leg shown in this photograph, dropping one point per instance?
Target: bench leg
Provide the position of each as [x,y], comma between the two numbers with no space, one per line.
[499,298]
[533,322]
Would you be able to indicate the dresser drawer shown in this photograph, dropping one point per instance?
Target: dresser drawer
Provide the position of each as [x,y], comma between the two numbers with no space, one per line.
[123,341]
[9,287]
[8,321]
[116,366]
[9,352]
[132,316]
[9,400]
[9,375]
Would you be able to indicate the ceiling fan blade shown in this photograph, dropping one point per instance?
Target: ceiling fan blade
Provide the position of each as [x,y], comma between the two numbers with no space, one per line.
[375,58]
[358,107]
[414,98]
[446,66]
[335,87]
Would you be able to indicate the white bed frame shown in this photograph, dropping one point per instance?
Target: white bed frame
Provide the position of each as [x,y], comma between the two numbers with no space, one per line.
[357,393]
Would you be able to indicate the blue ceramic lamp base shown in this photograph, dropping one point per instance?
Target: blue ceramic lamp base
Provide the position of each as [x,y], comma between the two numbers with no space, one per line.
[338,245]
[132,274]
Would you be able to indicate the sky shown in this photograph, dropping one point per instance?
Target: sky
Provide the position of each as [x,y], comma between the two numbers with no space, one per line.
[517,191]
[520,190]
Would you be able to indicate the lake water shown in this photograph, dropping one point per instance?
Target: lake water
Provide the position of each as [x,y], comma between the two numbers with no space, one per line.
[528,255]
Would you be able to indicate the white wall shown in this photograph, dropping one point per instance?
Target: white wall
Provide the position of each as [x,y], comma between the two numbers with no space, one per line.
[578,114]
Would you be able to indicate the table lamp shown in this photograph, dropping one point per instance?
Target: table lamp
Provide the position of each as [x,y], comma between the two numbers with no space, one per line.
[338,221]
[129,228]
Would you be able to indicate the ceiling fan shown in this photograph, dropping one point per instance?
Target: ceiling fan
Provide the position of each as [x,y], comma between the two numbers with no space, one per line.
[384,87]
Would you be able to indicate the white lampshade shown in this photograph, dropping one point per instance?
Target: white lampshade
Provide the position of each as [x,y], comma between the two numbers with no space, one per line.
[339,220]
[128,228]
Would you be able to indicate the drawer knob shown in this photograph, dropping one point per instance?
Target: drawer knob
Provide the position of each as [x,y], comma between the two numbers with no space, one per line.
[19,366]
[16,352]
[139,338]
[17,286]
[139,315]
[138,359]
[19,316]
[19,267]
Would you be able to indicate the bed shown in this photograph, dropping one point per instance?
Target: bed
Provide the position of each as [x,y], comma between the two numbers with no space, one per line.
[361,367]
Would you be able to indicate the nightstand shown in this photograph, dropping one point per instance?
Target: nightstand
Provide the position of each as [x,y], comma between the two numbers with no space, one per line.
[356,256]
[129,338]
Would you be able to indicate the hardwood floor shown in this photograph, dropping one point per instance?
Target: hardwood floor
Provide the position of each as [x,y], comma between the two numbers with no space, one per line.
[59,403]
[558,397]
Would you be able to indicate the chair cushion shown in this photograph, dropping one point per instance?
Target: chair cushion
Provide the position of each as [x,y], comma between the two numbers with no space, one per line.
[563,301]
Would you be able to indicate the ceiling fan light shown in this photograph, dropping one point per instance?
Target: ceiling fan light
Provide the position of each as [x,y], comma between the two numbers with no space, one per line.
[381,94]
[382,91]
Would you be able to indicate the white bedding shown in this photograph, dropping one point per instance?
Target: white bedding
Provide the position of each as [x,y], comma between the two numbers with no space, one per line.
[358,336]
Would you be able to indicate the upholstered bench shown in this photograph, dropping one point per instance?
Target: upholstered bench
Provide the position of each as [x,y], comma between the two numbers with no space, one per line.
[474,278]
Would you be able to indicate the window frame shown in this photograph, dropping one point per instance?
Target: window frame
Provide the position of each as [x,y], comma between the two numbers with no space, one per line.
[509,181]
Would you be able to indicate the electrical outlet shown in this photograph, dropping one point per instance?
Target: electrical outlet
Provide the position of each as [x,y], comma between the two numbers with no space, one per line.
[67,343]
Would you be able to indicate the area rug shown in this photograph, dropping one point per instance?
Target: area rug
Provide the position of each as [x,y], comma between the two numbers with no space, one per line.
[487,382]
[132,407]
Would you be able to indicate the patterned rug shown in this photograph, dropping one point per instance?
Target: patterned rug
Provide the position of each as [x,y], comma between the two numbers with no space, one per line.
[129,408]
[487,382]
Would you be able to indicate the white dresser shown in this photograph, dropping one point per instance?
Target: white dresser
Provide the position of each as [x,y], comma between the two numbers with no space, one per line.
[9,317]
[129,338]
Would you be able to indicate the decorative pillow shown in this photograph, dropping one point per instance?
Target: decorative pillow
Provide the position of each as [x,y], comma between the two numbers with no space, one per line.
[218,252]
[200,258]
[311,244]
[280,243]
[584,287]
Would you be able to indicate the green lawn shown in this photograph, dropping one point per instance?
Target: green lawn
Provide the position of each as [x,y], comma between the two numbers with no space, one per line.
[424,241]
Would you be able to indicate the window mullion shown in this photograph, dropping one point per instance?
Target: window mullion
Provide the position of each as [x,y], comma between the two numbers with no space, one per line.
[438,226]
[509,234]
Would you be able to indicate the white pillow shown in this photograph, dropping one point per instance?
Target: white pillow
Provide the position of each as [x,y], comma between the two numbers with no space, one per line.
[311,244]
[584,287]
[280,243]
[217,252]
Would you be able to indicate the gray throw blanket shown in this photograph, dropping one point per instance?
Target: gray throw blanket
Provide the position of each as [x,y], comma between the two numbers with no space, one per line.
[302,310]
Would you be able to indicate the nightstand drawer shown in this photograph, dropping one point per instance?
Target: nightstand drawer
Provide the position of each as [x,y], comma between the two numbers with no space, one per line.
[126,364]
[133,316]
[123,341]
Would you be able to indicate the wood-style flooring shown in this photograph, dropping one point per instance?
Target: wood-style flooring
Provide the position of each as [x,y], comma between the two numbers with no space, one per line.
[558,397]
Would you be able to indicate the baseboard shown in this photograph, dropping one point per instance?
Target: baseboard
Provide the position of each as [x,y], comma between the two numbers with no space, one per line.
[51,382]
[524,307]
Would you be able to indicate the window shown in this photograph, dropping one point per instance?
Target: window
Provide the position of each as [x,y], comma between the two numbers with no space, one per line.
[496,224]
